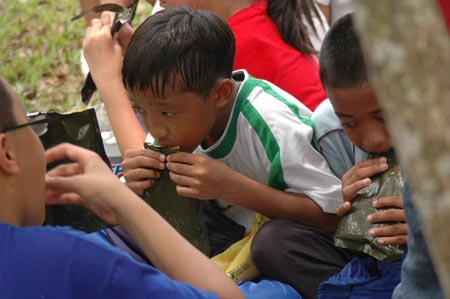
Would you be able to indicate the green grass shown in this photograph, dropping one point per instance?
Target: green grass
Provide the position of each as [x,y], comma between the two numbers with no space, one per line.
[40,51]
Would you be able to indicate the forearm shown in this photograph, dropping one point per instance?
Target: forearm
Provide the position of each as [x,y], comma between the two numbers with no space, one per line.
[273,203]
[127,129]
[168,250]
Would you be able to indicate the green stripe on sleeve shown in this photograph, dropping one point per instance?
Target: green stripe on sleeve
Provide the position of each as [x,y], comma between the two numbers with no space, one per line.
[268,89]
[270,144]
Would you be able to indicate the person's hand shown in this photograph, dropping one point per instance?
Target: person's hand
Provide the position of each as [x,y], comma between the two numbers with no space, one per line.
[141,168]
[125,33]
[124,36]
[357,178]
[393,234]
[103,53]
[199,176]
[87,181]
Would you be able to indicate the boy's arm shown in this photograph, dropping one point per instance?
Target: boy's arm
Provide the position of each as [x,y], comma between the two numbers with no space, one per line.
[104,56]
[204,178]
[331,141]
[89,181]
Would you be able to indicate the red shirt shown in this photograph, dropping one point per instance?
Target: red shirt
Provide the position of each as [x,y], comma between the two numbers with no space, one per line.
[263,53]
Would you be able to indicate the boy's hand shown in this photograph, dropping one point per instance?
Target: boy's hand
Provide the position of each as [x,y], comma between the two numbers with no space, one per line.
[357,178]
[103,53]
[141,167]
[198,176]
[393,234]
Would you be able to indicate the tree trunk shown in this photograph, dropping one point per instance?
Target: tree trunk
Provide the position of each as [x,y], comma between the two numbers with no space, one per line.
[407,51]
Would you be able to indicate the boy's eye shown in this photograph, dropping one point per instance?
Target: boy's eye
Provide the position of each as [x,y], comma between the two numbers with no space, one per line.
[380,119]
[348,124]
[168,114]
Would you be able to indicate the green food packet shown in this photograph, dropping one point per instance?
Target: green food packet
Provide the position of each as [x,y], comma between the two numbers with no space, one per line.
[183,213]
[353,230]
[79,128]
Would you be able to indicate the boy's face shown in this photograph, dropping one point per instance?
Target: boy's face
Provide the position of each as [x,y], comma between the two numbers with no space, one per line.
[30,157]
[180,119]
[361,117]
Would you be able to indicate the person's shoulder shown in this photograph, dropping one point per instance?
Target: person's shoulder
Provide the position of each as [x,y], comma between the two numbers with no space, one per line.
[325,120]
[268,101]
[39,256]
[58,243]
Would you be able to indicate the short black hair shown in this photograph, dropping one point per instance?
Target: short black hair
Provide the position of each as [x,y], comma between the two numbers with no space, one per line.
[193,46]
[341,59]
[6,103]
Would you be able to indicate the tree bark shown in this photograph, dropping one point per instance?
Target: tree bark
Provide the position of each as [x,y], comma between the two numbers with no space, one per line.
[407,52]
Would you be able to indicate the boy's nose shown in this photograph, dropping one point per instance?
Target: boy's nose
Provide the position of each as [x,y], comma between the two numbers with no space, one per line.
[377,141]
[158,131]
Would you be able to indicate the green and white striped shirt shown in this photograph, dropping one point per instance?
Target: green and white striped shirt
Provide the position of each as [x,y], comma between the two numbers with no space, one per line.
[268,138]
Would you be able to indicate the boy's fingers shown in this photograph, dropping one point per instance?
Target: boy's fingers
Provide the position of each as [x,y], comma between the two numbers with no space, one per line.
[387,215]
[182,157]
[180,168]
[389,201]
[365,169]
[182,180]
[369,162]
[398,229]
[140,187]
[397,240]
[140,152]
[350,191]
[343,209]
[369,171]
[188,192]
[141,162]
[140,174]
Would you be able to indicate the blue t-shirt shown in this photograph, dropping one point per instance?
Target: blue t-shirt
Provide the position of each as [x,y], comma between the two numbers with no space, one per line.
[58,262]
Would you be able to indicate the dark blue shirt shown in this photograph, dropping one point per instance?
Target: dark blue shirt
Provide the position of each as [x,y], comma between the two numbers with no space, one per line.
[46,262]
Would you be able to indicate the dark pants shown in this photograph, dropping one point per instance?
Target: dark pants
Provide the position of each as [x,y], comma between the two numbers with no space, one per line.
[297,254]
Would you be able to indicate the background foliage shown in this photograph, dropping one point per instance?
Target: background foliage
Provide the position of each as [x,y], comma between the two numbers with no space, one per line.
[40,51]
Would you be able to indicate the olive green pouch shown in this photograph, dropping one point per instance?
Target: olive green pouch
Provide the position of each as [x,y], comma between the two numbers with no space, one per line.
[353,230]
[183,213]
[79,128]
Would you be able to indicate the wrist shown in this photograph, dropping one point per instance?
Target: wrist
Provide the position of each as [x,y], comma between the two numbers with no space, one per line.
[234,186]
[122,201]
[107,83]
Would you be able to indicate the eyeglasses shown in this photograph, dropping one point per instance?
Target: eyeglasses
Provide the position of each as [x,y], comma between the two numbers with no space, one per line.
[39,124]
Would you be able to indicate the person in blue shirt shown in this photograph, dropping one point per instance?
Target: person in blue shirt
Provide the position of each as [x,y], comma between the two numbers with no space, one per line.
[58,262]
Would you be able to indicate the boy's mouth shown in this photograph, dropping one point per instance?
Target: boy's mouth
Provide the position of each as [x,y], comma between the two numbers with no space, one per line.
[378,151]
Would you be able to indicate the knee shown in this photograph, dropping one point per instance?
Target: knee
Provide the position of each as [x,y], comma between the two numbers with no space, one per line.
[264,246]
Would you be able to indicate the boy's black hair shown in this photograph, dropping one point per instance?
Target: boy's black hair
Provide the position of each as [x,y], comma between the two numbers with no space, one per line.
[6,103]
[341,58]
[189,46]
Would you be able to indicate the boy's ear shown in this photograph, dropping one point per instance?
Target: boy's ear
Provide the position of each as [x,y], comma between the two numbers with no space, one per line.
[8,158]
[223,92]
